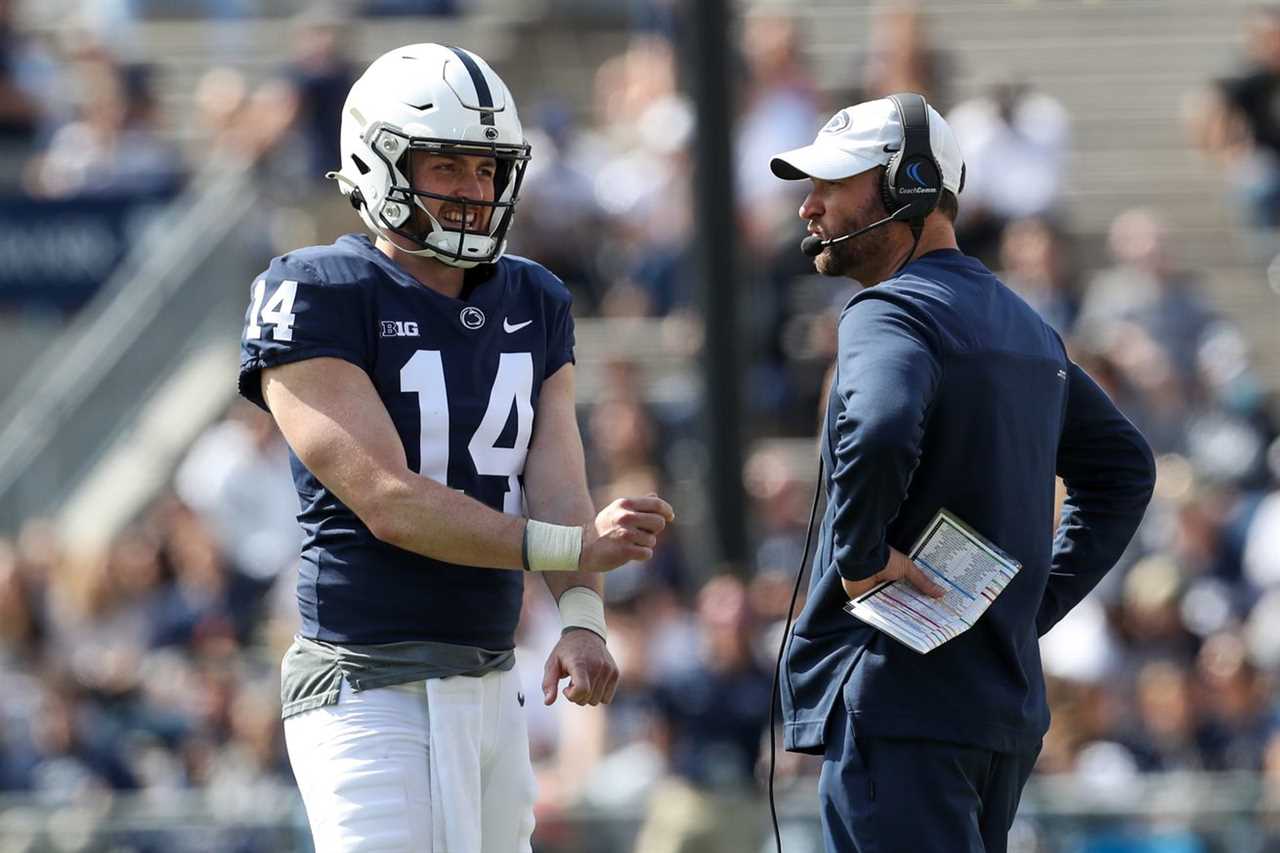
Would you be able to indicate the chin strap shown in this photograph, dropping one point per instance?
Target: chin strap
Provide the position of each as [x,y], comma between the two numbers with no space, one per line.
[355,196]
[357,201]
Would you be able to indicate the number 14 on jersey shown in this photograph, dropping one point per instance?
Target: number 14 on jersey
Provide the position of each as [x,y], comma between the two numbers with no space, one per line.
[423,374]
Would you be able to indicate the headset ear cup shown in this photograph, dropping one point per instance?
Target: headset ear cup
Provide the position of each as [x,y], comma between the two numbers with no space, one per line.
[887,194]
[913,178]
[921,186]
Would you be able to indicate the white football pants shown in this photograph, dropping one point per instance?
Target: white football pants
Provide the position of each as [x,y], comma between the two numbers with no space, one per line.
[437,766]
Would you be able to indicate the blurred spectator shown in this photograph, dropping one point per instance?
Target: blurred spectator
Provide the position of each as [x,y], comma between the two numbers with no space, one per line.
[1164,738]
[20,628]
[1015,143]
[1145,287]
[219,99]
[642,180]
[99,612]
[208,607]
[1157,397]
[712,718]
[624,440]
[1196,391]
[1237,121]
[1035,262]
[301,107]
[903,58]
[1228,437]
[1237,712]
[236,476]
[253,757]
[559,209]
[1185,373]
[24,79]
[72,761]
[780,497]
[1150,618]
[781,111]
[114,148]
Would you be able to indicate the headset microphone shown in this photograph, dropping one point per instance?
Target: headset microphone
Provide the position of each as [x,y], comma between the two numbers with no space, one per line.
[813,245]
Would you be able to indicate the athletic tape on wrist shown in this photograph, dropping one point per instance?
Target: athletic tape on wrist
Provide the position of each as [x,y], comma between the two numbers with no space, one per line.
[582,607]
[551,547]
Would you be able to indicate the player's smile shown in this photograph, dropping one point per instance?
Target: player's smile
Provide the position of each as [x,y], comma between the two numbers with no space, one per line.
[451,216]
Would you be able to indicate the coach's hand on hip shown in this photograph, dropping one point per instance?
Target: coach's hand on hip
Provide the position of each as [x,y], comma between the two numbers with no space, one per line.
[580,656]
[625,531]
[899,566]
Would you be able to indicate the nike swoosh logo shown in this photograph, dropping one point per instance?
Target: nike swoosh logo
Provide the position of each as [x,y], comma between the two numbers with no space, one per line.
[520,696]
[892,149]
[508,328]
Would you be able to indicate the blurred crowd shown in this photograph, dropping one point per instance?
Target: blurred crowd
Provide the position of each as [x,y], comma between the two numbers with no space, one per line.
[1235,120]
[152,666]
[77,120]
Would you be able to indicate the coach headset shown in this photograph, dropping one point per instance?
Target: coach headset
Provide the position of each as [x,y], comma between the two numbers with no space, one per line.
[911,186]
[910,189]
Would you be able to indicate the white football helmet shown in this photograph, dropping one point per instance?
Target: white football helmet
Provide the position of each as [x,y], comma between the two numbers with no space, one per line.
[441,100]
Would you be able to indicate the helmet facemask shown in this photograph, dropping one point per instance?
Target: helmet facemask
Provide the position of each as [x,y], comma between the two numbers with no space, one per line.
[405,214]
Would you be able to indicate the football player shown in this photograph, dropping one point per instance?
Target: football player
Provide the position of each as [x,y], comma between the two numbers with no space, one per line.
[425,384]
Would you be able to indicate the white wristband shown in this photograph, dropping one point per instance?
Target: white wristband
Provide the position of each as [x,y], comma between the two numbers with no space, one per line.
[582,607]
[551,547]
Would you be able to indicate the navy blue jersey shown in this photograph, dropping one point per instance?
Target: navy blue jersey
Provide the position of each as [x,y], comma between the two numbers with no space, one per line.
[460,379]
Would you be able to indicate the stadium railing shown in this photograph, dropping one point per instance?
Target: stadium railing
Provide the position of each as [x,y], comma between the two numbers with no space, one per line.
[181,285]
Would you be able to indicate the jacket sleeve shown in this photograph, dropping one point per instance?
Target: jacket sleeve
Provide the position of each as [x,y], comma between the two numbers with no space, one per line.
[1109,473]
[887,373]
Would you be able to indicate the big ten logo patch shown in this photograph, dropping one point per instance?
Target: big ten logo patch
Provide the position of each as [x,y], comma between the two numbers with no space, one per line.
[399,329]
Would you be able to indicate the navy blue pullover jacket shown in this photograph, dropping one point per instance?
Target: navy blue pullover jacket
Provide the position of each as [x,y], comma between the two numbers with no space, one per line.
[950,392]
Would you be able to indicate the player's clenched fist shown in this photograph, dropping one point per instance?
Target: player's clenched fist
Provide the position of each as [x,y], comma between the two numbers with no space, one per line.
[625,531]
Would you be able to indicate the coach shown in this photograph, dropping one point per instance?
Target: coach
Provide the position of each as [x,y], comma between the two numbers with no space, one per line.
[949,392]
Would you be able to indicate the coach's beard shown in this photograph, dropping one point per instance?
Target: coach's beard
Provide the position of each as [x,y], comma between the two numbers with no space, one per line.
[857,256]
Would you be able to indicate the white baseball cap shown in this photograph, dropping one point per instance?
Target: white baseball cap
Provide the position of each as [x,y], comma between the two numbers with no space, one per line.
[862,137]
